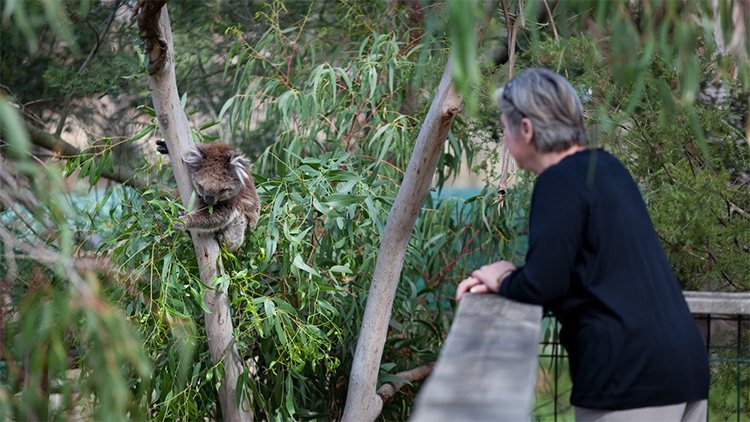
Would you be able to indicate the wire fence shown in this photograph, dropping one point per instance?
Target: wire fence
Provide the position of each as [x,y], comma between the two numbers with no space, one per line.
[727,340]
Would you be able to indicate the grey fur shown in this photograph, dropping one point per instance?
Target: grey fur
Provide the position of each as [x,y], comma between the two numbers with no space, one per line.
[228,203]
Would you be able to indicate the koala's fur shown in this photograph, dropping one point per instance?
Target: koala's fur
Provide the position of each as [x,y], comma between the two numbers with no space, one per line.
[222,181]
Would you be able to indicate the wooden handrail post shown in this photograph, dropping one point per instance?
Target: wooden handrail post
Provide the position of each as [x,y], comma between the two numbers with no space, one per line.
[487,367]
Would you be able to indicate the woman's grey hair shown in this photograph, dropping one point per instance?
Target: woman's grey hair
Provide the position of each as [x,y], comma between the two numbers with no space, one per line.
[552,105]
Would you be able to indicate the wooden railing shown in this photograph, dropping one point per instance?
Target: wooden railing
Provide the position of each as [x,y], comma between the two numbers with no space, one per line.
[718,303]
[487,367]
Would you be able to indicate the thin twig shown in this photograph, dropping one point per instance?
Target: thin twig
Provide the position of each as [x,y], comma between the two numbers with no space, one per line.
[512,30]
[52,260]
[54,143]
[551,19]
[99,36]
[510,38]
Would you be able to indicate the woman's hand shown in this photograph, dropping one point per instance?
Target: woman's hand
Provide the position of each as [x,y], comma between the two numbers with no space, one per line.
[486,279]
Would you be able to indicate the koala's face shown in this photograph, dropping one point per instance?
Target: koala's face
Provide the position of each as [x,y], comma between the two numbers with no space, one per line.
[218,172]
[215,185]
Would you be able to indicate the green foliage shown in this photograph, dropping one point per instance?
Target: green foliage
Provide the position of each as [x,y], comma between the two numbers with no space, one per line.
[29,17]
[62,338]
[462,19]
[730,398]
[322,104]
[12,130]
[100,77]
[160,292]
[298,287]
[61,36]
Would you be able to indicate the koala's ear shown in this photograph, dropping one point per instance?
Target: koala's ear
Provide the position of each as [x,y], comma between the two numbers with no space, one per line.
[195,155]
[240,165]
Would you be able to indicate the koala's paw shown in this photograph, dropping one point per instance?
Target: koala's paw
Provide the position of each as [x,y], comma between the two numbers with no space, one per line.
[179,225]
[231,243]
[161,147]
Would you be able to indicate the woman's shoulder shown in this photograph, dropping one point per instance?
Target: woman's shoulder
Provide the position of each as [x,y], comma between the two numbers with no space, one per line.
[586,171]
[585,163]
[569,166]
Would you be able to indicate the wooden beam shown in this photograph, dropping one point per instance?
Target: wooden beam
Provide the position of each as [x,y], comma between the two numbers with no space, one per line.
[718,303]
[487,367]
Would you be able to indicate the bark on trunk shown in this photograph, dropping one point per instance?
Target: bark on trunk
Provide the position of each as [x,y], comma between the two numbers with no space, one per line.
[157,33]
[362,401]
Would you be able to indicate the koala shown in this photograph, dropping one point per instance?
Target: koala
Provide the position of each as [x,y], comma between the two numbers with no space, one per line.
[228,203]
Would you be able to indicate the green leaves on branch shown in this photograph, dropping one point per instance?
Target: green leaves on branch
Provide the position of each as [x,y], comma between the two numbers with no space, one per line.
[68,353]
[25,15]
[677,34]
[325,104]
[13,131]
[464,67]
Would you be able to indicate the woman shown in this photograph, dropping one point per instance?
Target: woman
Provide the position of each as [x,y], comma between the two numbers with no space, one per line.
[595,260]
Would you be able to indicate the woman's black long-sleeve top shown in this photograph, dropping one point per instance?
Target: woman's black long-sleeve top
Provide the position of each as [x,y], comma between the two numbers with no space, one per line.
[596,262]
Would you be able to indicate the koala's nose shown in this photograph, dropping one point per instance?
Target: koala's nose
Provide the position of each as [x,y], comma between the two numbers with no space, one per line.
[209,200]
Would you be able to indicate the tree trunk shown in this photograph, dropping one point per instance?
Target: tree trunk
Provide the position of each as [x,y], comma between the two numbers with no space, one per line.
[157,34]
[362,401]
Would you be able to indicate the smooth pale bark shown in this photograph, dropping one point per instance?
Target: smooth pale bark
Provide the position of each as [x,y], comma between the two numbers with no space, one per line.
[362,401]
[176,131]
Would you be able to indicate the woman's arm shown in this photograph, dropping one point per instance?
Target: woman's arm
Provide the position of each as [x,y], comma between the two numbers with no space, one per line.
[556,233]
[486,279]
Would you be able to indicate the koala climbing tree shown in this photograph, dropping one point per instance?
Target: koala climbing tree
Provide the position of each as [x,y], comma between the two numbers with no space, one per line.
[155,29]
[229,204]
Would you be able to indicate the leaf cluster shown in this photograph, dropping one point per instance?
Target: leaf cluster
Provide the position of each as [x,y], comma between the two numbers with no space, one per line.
[63,341]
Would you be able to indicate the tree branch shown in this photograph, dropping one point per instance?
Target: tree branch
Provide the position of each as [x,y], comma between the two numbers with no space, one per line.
[148,24]
[510,56]
[122,175]
[390,388]
[55,261]
[155,28]
[362,401]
